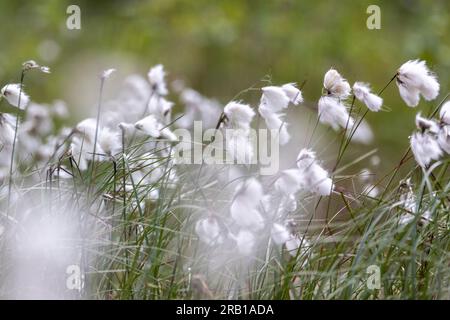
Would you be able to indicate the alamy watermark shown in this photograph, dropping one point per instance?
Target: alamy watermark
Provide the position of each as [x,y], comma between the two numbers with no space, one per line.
[75,279]
[373,22]
[374,279]
[73,21]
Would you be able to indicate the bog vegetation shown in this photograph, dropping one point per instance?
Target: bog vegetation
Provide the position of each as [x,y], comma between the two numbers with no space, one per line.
[109,199]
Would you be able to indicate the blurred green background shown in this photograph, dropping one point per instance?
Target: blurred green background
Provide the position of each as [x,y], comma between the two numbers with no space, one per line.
[223,47]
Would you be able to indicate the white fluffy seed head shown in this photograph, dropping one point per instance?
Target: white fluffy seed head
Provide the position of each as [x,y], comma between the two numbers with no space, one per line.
[444,138]
[360,90]
[279,234]
[334,113]
[161,108]
[156,77]
[318,180]
[167,134]
[293,245]
[336,85]
[426,124]
[411,96]
[274,121]
[294,94]
[239,145]
[425,148]
[315,179]
[289,203]
[209,231]
[109,142]
[244,209]
[414,78]
[127,129]
[149,125]
[78,147]
[7,126]
[245,241]
[107,73]
[274,99]
[289,182]
[245,206]
[373,102]
[362,93]
[239,115]
[305,158]
[444,113]
[413,73]
[13,92]
[86,128]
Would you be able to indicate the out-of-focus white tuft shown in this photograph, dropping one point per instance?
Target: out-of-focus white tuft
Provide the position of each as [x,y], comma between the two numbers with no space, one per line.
[198,107]
[135,88]
[109,143]
[371,191]
[59,109]
[7,125]
[296,246]
[161,109]
[362,134]
[245,208]
[208,230]
[279,234]
[156,77]
[107,73]
[245,241]
[290,181]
